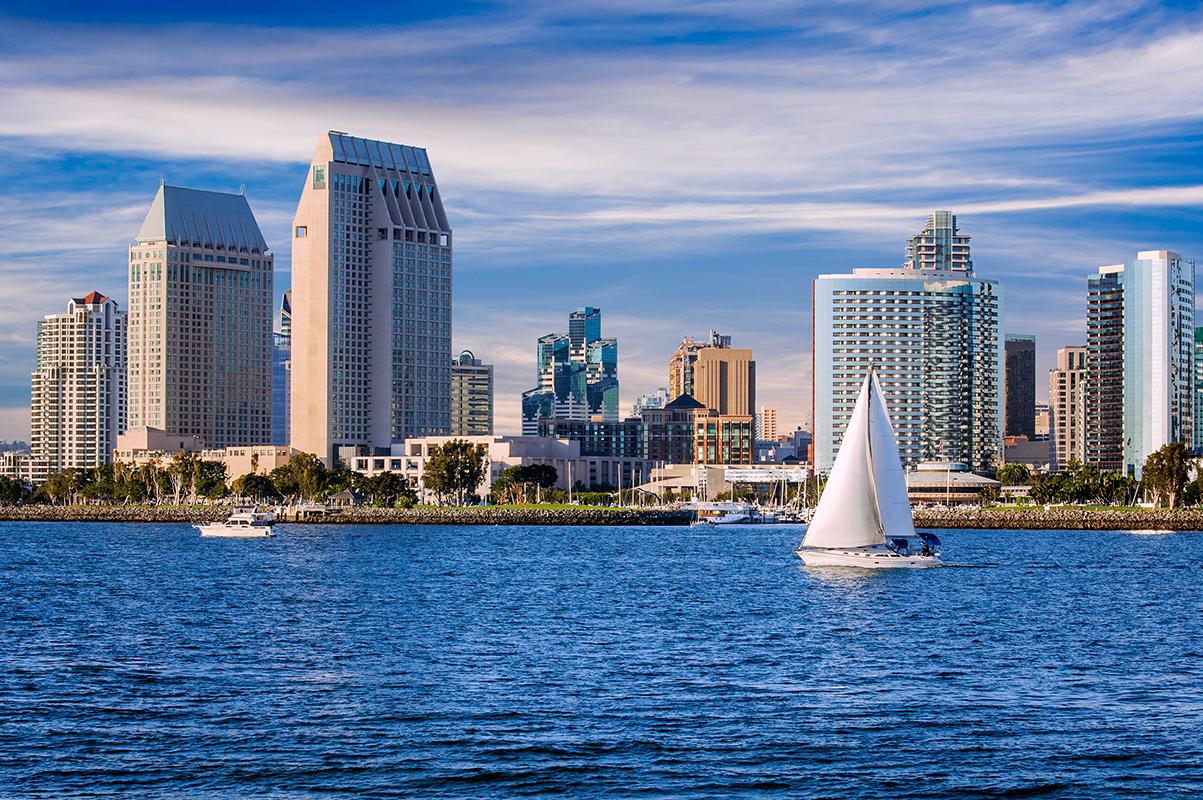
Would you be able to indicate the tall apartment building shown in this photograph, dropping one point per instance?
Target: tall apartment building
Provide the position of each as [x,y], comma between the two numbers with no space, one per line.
[371,300]
[282,372]
[1020,386]
[1067,407]
[1140,359]
[931,330]
[1197,440]
[577,374]
[78,390]
[200,319]
[471,396]
[766,424]
[715,374]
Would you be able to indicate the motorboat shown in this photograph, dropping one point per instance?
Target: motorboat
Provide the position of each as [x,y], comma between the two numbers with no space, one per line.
[242,524]
[864,516]
[729,513]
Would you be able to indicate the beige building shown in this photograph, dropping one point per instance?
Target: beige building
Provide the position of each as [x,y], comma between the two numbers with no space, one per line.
[1067,406]
[200,315]
[409,459]
[471,396]
[766,424]
[139,446]
[78,391]
[715,374]
[371,300]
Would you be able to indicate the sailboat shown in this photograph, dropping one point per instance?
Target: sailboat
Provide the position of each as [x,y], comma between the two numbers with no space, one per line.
[864,516]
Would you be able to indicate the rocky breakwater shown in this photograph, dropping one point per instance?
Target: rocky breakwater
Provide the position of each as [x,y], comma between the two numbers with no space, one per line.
[1063,518]
[115,513]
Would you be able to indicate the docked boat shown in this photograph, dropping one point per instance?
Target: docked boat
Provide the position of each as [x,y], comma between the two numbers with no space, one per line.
[864,516]
[729,513]
[250,524]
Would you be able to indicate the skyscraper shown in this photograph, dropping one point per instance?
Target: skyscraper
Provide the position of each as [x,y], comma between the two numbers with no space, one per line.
[1197,444]
[577,374]
[79,387]
[766,424]
[1140,359]
[200,313]
[1020,406]
[471,396]
[715,374]
[931,330]
[1067,407]
[282,372]
[939,246]
[656,399]
[371,300]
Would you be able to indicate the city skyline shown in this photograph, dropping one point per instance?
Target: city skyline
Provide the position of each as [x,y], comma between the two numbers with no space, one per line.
[1087,170]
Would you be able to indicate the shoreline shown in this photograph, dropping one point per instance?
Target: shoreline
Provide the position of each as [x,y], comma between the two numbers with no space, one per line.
[994,518]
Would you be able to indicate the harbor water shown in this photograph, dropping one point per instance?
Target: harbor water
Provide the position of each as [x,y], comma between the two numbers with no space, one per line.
[388,661]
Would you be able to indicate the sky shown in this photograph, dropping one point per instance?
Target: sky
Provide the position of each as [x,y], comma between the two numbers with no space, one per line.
[682,166]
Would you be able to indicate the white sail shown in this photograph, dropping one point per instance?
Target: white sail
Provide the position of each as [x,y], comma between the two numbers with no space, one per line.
[847,515]
[889,481]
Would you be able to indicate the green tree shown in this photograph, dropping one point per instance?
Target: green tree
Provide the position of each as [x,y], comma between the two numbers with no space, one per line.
[13,492]
[386,488]
[1014,474]
[255,486]
[1166,472]
[303,477]
[454,469]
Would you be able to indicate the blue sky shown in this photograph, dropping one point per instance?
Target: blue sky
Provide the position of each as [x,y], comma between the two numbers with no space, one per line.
[684,166]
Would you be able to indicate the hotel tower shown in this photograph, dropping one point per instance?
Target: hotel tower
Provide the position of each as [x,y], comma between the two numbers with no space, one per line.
[371,301]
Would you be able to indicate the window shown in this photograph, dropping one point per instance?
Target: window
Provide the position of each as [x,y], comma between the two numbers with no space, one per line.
[302,231]
[319,177]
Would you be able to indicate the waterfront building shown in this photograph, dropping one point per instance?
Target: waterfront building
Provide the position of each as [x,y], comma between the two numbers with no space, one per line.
[1140,359]
[576,374]
[574,468]
[1197,429]
[371,300]
[200,319]
[715,374]
[282,372]
[1020,386]
[78,390]
[1067,407]
[657,399]
[140,446]
[766,424]
[932,333]
[471,396]
[17,464]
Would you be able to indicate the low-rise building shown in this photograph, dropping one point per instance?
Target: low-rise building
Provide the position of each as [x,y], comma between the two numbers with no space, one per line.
[946,483]
[140,446]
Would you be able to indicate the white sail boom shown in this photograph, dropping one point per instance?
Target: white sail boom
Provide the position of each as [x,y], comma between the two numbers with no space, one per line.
[847,515]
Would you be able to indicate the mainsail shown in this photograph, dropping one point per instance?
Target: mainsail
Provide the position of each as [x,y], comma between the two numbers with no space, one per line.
[865,499]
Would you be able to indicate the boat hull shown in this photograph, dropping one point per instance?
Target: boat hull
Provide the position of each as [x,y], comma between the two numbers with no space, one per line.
[220,531]
[864,558]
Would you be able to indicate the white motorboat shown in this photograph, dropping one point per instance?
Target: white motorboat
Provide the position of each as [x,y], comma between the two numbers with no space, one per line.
[240,525]
[729,513]
[864,516]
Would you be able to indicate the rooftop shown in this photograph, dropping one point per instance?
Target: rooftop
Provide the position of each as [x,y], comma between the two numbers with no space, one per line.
[201,216]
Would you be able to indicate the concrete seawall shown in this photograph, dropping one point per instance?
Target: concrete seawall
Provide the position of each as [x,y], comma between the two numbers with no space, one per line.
[1086,519]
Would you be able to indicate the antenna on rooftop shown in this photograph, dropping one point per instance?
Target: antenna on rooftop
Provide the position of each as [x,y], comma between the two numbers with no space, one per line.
[162,179]
[242,188]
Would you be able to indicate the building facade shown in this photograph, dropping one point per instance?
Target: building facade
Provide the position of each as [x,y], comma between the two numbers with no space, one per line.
[1067,407]
[656,399]
[1020,386]
[934,338]
[471,396]
[1197,438]
[371,300]
[78,390]
[200,319]
[715,374]
[282,372]
[940,246]
[577,374]
[766,424]
[1140,359]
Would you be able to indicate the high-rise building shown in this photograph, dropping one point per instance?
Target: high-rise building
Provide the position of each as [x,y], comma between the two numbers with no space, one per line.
[1197,443]
[766,424]
[656,399]
[939,246]
[78,389]
[282,372]
[715,374]
[577,374]
[1067,407]
[1140,359]
[471,396]
[932,333]
[1043,422]
[200,320]
[1020,386]
[371,300]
